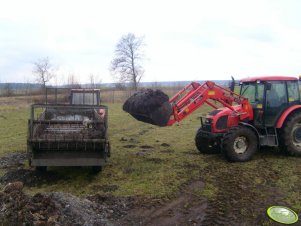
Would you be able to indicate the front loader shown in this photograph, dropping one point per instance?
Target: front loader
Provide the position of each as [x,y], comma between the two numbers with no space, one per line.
[267,112]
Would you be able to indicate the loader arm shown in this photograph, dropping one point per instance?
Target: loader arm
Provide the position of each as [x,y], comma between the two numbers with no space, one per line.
[194,95]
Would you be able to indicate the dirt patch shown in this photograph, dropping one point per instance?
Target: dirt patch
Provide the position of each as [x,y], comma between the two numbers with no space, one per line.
[241,201]
[31,178]
[141,133]
[114,207]
[130,140]
[129,146]
[188,208]
[17,208]
[14,160]
[233,196]
[167,151]
[165,145]
[128,170]
[144,131]
[146,146]
[188,165]
[154,160]
[109,188]
[143,153]
[134,141]
[146,150]
[191,152]
[105,188]
[123,139]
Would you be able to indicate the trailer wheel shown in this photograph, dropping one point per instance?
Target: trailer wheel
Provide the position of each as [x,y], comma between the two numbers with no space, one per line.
[96,169]
[41,168]
[204,144]
[108,149]
[291,135]
[239,144]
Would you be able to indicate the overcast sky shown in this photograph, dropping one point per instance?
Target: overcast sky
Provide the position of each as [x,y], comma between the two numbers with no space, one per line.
[185,40]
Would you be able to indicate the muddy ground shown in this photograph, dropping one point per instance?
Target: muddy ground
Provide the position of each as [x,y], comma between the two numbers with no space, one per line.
[235,203]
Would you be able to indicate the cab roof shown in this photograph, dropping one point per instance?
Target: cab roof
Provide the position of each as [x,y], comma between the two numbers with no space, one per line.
[269,78]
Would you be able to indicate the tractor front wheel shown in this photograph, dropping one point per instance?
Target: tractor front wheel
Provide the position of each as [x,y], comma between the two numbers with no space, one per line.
[239,144]
[205,144]
[291,135]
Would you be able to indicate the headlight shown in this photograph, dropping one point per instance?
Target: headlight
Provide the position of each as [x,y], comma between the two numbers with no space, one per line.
[208,121]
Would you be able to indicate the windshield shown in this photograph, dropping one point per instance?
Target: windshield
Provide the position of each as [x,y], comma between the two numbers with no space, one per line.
[84,98]
[252,91]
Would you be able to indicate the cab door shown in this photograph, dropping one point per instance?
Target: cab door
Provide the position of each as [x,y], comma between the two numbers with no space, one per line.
[254,91]
[293,92]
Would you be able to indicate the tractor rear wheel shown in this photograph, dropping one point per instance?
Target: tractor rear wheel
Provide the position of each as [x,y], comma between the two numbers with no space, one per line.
[239,144]
[291,135]
[205,145]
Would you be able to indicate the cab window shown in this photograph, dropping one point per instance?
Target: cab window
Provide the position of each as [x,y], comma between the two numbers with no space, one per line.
[253,91]
[84,98]
[293,91]
[276,95]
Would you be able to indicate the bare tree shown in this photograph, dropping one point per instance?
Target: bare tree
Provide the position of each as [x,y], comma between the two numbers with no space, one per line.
[95,80]
[128,59]
[120,86]
[43,70]
[8,90]
[92,80]
[72,82]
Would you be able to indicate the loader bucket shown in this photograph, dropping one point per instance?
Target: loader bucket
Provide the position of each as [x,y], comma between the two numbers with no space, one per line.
[149,106]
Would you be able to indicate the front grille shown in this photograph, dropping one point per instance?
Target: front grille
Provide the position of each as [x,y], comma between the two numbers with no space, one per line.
[206,125]
[222,122]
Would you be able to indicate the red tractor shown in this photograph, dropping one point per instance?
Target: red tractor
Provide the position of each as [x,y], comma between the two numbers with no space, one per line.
[267,112]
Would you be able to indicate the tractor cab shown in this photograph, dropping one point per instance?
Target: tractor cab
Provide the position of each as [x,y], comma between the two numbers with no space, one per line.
[270,96]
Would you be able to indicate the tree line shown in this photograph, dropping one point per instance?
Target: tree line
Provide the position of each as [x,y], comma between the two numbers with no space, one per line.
[126,66]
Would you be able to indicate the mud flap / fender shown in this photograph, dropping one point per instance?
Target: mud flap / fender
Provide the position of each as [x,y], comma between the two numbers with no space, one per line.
[255,131]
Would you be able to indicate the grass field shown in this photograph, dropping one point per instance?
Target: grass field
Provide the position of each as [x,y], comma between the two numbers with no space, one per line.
[146,160]
[155,163]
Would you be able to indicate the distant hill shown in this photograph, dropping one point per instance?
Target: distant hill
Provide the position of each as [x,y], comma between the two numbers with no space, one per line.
[20,85]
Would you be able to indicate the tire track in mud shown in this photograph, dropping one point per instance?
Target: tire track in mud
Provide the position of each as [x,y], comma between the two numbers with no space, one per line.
[187,208]
[242,197]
